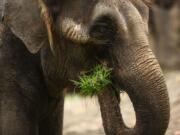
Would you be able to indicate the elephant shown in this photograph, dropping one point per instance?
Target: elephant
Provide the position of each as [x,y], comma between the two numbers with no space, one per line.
[46,43]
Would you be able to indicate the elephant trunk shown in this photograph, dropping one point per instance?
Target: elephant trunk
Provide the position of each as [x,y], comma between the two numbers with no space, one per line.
[147,90]
[137,72]
[140,76]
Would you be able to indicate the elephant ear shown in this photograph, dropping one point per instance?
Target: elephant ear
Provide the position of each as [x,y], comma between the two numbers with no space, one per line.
[24,19]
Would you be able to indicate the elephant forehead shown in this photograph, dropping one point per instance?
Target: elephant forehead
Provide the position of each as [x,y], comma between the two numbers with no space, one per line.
[23,17]
[79,10]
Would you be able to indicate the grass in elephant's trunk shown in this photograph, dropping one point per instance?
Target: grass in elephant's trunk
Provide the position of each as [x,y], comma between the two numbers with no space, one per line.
[93,81]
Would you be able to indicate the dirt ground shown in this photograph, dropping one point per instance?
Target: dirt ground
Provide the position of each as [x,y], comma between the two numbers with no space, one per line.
[82,115]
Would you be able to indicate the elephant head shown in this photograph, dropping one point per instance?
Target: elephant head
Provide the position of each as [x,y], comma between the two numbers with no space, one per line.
[122,26]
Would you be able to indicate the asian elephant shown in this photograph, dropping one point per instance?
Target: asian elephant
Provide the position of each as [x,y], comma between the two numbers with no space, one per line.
[46,43]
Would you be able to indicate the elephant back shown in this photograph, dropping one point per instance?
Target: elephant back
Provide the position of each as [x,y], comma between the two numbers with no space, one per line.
[24,19]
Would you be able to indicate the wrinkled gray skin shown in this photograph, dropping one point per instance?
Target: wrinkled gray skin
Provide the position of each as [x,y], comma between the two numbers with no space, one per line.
[86,32]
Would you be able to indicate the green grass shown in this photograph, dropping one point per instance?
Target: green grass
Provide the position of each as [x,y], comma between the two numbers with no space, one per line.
[92,83]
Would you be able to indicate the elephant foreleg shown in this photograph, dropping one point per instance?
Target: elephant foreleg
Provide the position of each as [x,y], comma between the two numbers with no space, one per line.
[21,85]
[17,116]
[53,124]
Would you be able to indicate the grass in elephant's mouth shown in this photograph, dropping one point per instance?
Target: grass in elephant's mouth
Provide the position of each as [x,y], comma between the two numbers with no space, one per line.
[94,81]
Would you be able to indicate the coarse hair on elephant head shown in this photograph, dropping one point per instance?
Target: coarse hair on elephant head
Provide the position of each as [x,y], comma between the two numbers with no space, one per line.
[83,33]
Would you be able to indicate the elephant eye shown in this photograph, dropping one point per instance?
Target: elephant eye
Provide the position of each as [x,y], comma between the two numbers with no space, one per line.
[103,28]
